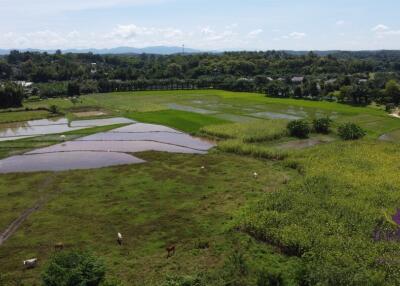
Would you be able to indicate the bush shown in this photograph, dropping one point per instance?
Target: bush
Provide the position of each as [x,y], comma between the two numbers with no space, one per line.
[270,279]
[183,281]
[351,131]
[298,128]
[54,109]
[322,125]
[73,268]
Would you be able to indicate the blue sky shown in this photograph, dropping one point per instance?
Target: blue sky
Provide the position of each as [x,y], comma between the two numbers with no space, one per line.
[201,24]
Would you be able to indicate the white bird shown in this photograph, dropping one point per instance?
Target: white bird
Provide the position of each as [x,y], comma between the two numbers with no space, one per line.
[255,175]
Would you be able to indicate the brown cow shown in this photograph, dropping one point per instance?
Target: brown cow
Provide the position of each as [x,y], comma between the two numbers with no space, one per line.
[171,250]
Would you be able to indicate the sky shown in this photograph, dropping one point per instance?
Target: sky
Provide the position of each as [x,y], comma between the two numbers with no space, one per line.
[201,24]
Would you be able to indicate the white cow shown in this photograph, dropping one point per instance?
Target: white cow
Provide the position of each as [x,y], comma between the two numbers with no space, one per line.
[30,263]
[119,238]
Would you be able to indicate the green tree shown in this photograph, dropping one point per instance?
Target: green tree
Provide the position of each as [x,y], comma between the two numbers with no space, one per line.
[73,268]
[392,91]
[174,70]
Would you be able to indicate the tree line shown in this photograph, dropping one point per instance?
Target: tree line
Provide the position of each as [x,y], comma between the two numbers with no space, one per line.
[349,77]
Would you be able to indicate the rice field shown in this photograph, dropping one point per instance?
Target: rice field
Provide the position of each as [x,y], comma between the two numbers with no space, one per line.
[249,132]
[318,215]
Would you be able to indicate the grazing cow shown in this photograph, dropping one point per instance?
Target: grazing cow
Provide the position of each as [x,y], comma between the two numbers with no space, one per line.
[119,238]
[30,263]
[58,246]
[171,250]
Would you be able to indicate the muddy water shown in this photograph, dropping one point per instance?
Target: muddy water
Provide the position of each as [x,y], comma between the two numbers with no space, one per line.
[179,139]
[19,130]
[65,161]
[117,146]
[105,149]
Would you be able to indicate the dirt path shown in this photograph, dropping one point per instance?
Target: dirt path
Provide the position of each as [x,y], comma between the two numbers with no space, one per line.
[13,227]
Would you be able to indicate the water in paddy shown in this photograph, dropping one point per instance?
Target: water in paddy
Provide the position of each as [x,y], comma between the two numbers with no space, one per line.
[305,143]
[65,161]
[106,149]
[19,130]
[190,109]
[275,115]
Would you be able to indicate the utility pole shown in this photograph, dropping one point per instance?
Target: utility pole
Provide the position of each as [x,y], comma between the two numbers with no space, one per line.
[183,49]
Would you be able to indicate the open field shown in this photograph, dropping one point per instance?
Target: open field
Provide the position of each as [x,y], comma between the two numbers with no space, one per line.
[229,106]
[326,207]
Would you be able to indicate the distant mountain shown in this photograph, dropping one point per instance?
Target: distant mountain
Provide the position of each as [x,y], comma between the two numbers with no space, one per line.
[159,50]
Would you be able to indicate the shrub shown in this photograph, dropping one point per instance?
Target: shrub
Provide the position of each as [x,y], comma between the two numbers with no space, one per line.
[270,279]
[322,125]
[73,268]
[54,109]
[298,128]
[350,131]
[183,281]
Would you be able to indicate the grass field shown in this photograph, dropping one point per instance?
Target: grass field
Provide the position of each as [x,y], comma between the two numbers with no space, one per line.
[314,216]
[230,106]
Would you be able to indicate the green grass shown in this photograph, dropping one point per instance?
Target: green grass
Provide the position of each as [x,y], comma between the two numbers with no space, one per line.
[169,200]
[253,131]
[241,148]
[182,120]
[15,116]
[329,217]
[309,216]
[375,120]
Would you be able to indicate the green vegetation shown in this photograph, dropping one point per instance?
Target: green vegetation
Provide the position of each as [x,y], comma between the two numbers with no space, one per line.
[350,77]
[247,213]
[256,151]
[169,200]
[249,132]
[74,268]
[299,128]
[182,120]
[322,125]
[22,115]
[11,95]
[337,217]
[350,131]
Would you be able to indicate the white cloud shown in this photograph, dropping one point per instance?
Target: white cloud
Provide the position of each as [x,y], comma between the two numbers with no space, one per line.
[296,35]
[340,22]
[209,34]
[125,35]
[383,31]
[380,28]
[255,33]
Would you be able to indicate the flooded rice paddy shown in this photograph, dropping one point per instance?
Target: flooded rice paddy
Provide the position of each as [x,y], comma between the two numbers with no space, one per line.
[20,130]
[105,148]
